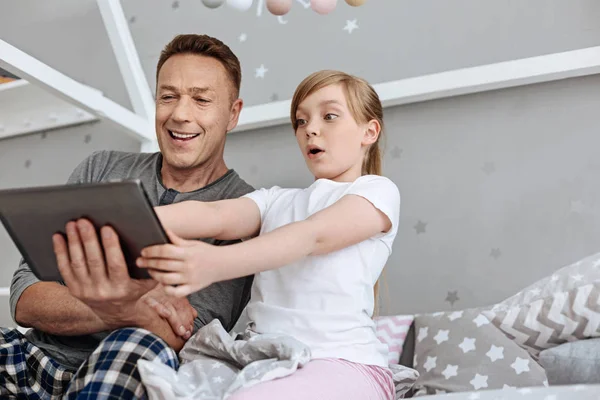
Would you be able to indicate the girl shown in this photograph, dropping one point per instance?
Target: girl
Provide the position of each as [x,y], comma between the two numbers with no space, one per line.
[316,253]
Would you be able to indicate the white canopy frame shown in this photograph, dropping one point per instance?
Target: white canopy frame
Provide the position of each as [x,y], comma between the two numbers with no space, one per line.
[49,99]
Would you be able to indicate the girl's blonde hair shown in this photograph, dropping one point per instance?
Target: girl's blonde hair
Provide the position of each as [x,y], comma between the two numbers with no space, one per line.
[364,105]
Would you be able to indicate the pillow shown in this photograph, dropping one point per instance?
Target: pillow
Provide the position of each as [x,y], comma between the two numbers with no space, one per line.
[462,351]
[572,363]
[392,330]
[561,308]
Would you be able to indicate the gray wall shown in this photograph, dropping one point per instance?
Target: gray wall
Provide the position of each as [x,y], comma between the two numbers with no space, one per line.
[505,182]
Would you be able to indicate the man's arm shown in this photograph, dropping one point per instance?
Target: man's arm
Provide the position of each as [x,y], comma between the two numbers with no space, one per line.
[48,306]
[71,316]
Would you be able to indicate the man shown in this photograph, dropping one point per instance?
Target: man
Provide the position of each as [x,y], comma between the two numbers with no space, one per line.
[88,334]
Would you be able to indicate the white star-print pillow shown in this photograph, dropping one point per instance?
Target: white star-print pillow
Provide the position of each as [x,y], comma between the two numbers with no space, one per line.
[462,351]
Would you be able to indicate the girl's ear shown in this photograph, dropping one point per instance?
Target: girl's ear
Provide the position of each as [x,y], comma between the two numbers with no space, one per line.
[373,128]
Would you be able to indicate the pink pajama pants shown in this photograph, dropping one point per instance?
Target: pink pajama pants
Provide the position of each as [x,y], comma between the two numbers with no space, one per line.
[326,379]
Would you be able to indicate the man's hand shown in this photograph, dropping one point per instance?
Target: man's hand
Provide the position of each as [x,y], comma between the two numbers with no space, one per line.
[98,278]
[177,310]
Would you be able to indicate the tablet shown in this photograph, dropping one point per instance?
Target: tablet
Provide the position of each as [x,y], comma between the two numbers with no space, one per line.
[32,215]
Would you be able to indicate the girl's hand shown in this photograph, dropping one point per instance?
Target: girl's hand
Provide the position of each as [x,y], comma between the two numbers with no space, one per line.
[184,267]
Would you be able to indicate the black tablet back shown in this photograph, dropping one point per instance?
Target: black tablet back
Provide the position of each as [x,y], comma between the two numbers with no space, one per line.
[32,215]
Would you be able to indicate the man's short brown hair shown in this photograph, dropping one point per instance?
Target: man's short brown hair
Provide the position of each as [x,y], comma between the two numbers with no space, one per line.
[207,46]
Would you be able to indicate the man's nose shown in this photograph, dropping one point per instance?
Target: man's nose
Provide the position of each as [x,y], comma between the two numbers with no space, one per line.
[182,111]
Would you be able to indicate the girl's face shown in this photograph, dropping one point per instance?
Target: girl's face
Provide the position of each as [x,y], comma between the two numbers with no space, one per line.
[333,143]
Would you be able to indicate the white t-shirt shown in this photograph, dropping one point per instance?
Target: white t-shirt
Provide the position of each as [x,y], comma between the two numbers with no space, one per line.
[325,301]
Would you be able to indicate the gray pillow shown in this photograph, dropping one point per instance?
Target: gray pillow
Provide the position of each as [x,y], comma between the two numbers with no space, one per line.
[572,363]
[558,309]
[462,351]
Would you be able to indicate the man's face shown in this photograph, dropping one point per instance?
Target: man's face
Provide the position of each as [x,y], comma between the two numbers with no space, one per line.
[194,110]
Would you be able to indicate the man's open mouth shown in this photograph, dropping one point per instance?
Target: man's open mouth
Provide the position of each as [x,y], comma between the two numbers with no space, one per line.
[183,136]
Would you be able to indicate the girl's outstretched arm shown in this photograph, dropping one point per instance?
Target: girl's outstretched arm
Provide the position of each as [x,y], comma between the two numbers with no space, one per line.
[194,265]
[349,221]
[225,219]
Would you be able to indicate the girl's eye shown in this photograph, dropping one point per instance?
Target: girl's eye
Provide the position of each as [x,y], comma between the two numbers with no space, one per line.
[300,121]
[330,116]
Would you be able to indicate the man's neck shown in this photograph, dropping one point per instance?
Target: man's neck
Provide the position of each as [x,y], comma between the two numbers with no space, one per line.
[194,179]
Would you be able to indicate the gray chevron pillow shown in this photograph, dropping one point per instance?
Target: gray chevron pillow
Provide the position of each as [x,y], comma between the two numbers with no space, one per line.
[561,308]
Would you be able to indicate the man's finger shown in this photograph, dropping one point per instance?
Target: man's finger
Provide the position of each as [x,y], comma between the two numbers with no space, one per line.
[78,264]
[168,311]
[116,266]
[176,321]
[62,258]
[93,251]
[189,313]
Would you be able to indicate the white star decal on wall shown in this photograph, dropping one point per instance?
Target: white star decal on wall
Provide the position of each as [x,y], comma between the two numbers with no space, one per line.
[243,37]
[261,71]
[351,25]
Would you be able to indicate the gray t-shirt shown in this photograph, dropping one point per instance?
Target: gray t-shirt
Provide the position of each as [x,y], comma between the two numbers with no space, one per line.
[222,300]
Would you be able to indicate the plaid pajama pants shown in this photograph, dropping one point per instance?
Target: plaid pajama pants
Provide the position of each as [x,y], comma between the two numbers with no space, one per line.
[109,373]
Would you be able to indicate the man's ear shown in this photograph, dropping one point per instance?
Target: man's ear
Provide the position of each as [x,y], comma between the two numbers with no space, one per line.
[234,114]
[373,128]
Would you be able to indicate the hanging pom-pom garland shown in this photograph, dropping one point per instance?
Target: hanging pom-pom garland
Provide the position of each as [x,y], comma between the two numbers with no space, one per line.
[282,7]
[279,7]
[241,5]
[356,3]
[323,6]
[213,3]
